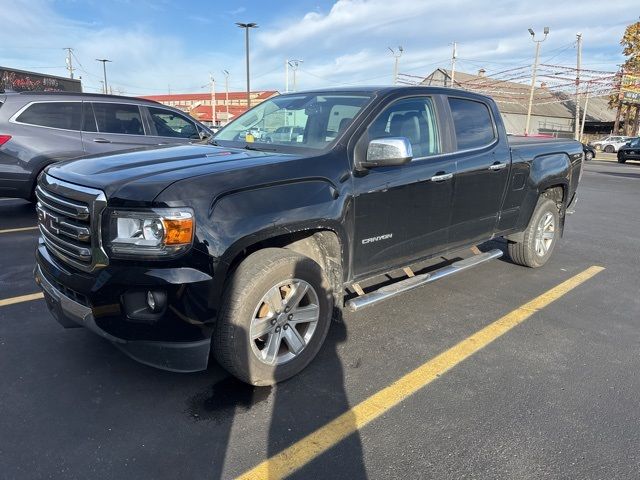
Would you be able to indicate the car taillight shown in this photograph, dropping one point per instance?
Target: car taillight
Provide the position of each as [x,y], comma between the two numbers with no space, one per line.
[4,139]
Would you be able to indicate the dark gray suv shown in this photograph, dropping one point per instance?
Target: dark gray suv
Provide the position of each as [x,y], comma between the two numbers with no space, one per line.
[37,129]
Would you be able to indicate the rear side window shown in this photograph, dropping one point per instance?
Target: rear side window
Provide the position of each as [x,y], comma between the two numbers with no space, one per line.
[473,123]
[66,115]
[118,118]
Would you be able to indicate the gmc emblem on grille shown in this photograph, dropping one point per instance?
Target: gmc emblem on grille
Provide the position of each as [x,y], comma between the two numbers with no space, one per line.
[50,222]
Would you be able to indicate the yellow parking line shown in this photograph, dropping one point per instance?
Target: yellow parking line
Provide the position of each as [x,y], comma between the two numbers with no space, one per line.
[314,444]
[23,298]
[21,229]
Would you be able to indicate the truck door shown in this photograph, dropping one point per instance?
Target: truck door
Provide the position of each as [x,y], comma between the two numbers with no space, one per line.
[403,212]
[483,164]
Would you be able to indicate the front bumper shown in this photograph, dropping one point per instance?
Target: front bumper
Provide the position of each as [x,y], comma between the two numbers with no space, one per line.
[160,347]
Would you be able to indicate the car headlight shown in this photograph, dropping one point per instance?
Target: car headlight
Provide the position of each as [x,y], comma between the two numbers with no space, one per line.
[158,232]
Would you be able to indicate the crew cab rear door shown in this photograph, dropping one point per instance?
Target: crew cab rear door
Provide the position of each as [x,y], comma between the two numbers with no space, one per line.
[403,212]
[483,168]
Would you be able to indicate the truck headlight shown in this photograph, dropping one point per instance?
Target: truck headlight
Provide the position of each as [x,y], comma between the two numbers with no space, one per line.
[158,232]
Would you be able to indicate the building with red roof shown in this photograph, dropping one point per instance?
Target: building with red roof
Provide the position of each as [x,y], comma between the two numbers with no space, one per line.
[198,105]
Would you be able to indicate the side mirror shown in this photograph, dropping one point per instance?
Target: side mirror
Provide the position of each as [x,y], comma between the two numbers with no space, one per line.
[384,152]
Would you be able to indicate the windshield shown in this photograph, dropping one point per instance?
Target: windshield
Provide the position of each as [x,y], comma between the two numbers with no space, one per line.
[294,120]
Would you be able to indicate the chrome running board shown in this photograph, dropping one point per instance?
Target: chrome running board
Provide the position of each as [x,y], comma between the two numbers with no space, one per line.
[410,283]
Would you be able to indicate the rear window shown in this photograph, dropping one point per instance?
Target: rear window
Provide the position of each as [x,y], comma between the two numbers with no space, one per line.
[66,115]
[472,122]
[118,118]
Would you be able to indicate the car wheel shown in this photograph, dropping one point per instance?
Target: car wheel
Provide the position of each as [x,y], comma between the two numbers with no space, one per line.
[609,149]
[539,238]
[588,156]
[276,312]
[621,159]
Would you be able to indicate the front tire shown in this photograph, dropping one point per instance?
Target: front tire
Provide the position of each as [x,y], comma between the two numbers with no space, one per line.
[609,149]
[588,156]
[540,237]
[276,313]
[622,160]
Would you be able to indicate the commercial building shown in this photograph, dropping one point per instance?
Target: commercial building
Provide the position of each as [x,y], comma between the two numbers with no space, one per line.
[12,80]
[552,113]
[198,105]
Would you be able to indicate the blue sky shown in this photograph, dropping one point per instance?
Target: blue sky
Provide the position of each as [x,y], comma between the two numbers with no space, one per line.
[157,45]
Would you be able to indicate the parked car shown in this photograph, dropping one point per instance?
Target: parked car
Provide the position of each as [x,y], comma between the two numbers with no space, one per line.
[630,150]
[611,144]
[37,129]
[589,152]
[284,134]
[246,249]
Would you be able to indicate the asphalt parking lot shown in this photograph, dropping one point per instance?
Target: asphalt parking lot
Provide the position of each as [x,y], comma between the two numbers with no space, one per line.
[554,394]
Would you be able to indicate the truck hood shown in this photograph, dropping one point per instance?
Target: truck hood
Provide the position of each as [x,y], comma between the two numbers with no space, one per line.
[140,175]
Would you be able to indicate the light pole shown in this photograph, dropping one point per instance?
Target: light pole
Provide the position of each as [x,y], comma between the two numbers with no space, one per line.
[294,64]
[246,27]
[226,95]
[396,56]
[104,71]
[533,73]
[213,100]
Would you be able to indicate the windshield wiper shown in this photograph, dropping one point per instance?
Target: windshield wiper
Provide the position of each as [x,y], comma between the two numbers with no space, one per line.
[251,147]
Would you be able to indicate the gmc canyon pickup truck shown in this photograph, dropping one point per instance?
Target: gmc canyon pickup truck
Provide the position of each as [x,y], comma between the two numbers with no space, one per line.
[243,249]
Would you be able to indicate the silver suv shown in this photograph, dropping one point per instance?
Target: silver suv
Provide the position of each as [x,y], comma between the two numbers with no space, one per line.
[37,129]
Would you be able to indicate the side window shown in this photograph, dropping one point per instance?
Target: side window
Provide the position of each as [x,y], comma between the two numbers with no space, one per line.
[88,119]
[170,124]
[340,117]
[472,122]
[413,118]
[118,118]
[66,115]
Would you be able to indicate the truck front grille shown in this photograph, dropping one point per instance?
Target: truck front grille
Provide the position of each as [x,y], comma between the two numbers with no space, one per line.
[69,222]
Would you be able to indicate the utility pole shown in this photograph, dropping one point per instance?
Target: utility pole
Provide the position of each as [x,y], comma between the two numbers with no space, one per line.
[213,100]
[454,55]
[286,76]
[226,95]
[69,62]
[104,72]
[294,64]
[616,124]
[396,55]
[578,66]
[584,111]
[246,27]
[533,73]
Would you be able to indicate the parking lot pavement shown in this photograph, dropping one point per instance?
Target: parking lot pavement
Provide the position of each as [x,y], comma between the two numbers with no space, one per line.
[554,396]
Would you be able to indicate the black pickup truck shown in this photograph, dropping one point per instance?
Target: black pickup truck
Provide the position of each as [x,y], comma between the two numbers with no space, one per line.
[244,247]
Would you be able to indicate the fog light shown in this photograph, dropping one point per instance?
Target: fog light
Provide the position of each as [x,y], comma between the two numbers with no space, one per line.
[146,306]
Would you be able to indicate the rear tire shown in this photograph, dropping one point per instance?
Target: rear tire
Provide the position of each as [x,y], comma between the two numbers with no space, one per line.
[588,156]
[609,149]
[260,310]
[540,237]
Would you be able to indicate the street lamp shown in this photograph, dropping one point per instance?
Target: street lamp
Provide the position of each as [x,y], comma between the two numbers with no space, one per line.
[396,56]
[246,27]
[226,94]
[294,64]
[533,73]
[104,71]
